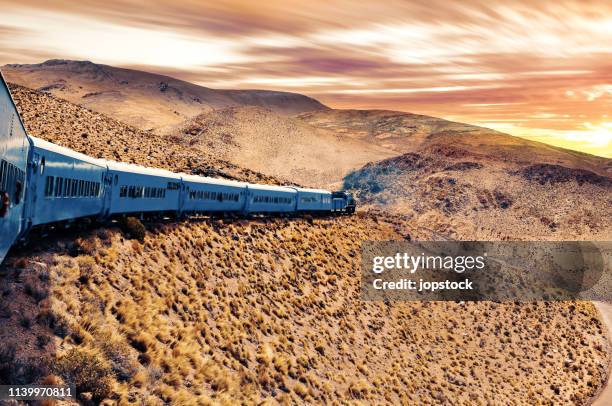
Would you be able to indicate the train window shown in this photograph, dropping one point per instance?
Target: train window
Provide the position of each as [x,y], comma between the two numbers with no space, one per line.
[42,165]
[58,187]
[11,180]
[48,186]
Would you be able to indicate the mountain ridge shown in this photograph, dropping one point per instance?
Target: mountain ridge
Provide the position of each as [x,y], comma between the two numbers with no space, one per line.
[143,99]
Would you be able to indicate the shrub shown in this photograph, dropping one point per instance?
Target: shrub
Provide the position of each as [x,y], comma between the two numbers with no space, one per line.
[25,322]
[37,292]
[42,341]
[83,246]
[54,321]
[120,357]
[87,371]
[134,228]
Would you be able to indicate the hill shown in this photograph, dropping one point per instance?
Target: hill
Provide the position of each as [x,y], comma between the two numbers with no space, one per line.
[100,136]
[394,130]
[144,100]
[277,145]
[489,186]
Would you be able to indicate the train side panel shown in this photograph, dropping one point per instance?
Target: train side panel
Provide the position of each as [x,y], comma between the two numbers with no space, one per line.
[14,150]
[135,189]
[270,199]
[65,185]
[313,200]
[203,194]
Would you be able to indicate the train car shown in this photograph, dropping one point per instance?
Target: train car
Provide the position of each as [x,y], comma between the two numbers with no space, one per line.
[63,184]
[14,150]
[136,189]
[270,199]
[313,200]
[202,194]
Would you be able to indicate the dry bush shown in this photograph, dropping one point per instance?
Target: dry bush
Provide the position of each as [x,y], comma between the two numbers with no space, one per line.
[134,228]
[82,246]
[120,356]
[88,371]
[37,291]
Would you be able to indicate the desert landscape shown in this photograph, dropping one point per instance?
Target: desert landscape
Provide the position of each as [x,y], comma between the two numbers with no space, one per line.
[227,310]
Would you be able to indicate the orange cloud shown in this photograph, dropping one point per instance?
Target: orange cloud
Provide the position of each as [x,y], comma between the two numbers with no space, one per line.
[536,70]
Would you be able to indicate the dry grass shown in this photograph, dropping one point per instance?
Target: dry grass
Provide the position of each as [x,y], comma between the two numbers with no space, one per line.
[269,311]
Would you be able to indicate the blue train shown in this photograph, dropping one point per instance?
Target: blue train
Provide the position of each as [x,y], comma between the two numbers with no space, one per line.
[42,183]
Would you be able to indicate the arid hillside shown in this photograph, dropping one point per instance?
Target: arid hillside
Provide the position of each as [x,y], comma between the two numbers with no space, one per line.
[97,135]
[144,100]
[472,193]
[280,146]
[226,312]
[395,130]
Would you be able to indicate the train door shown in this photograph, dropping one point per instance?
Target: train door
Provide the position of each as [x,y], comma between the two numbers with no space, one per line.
[35,164]
[183,197]
[107,189]
[14,149]
[247,200]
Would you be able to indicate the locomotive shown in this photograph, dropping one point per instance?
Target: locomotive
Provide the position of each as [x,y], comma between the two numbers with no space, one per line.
[42,183]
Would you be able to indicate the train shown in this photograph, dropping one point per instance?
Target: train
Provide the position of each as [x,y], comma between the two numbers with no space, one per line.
[44,184]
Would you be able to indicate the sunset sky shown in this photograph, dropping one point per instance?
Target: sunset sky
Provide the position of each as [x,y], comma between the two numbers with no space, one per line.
[537,69]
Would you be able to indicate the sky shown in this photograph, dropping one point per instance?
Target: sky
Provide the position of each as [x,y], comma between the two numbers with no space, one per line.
[536,69]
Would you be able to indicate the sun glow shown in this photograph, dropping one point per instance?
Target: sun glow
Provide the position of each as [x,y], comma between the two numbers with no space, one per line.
[594,139]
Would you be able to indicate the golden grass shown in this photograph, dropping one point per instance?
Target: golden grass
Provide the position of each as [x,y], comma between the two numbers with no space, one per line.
[221,312]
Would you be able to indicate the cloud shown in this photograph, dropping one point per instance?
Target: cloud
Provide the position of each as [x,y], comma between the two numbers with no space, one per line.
[538,65]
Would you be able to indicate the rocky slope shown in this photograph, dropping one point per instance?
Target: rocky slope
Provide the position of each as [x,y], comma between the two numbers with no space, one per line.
[144,100]
[474,183]
[459,186]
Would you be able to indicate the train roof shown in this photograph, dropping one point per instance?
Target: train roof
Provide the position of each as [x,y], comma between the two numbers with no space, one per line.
[308,190]
[142,170]
[211,181]
[51,147]
[272,188]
